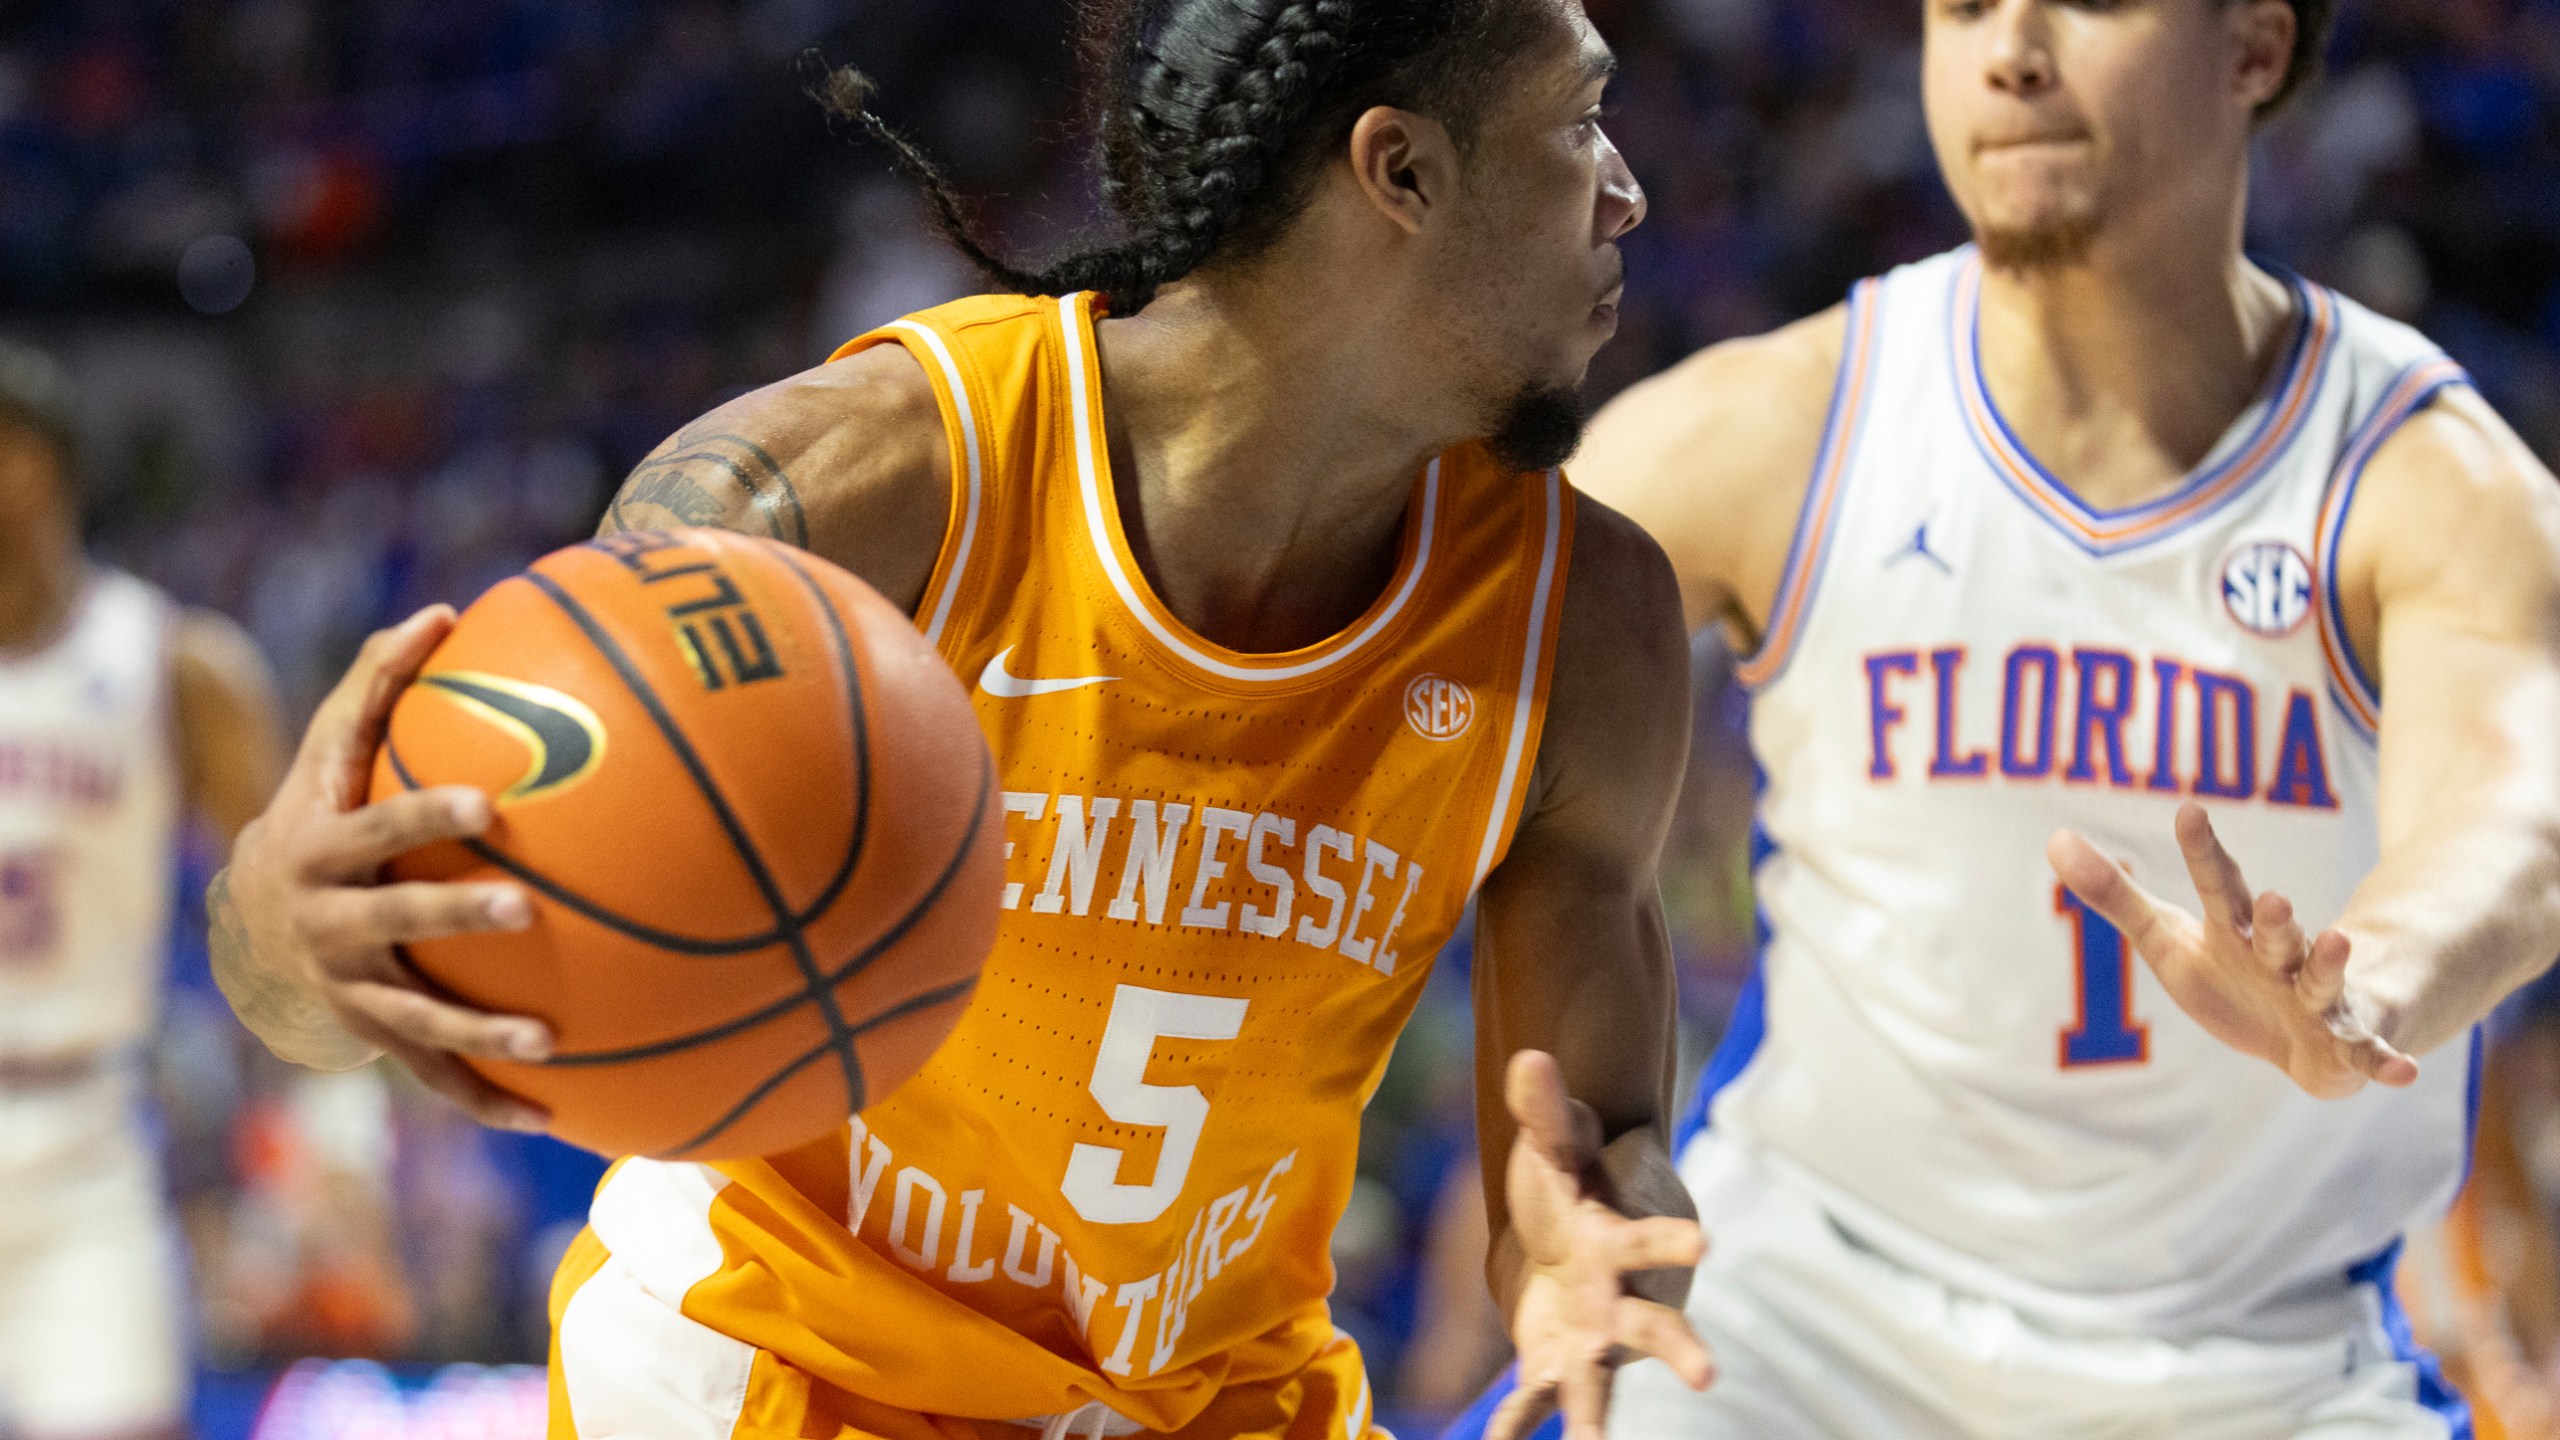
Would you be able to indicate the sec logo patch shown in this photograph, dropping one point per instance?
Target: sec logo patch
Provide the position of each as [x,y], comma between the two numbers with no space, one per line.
[2266,588]
[1438,708]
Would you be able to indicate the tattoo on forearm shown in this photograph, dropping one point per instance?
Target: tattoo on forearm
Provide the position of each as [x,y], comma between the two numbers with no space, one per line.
[273,1007]
[691,480]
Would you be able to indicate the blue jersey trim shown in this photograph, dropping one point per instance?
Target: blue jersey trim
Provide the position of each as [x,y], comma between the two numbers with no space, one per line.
[2471,1099]
[1817,519]
[1471,1424]
[2433,1391]
[1748,1025]
[2289,373]
[1743,1033]
[2408,395]
[2102,533]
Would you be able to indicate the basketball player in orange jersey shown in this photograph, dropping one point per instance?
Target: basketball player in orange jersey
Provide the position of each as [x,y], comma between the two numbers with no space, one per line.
[1289,640]
[120,714]
[2087,547]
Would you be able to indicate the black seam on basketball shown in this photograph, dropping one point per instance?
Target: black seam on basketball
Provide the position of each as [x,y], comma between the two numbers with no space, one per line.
[861,743]
[755,1097]
[739,841]
[681,944]
[425,981]
[855,966]
[861,960]
[851,1062]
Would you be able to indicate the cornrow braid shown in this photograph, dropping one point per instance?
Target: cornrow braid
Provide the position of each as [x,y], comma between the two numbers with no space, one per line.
[1215,117]
[1201,177]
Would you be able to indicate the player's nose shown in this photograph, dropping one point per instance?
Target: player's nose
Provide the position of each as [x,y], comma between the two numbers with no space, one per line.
[1623,205]
[2020,60]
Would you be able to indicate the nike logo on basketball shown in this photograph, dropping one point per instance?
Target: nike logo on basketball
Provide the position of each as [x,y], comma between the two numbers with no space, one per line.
[1005,685]
[565,737]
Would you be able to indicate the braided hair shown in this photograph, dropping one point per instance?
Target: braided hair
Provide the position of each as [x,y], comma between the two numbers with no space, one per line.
[1215,118]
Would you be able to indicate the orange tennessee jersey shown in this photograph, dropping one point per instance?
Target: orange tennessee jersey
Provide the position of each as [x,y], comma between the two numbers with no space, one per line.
[1227,877]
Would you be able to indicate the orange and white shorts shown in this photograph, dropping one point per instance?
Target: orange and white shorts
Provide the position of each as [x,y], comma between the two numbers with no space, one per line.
[626,1365]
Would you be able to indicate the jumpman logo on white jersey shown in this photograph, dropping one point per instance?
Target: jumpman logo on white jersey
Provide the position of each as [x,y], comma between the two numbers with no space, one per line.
[1919,546]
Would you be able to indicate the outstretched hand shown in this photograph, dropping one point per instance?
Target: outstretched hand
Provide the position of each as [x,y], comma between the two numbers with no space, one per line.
[1574,1321]
[2245,972]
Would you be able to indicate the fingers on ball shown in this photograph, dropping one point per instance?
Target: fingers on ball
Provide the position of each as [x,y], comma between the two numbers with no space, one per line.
[360,840]
[482,1101]
[358,922]
[414,1018]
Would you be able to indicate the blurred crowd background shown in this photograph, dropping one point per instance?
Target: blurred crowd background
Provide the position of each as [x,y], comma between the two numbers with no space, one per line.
[370,301]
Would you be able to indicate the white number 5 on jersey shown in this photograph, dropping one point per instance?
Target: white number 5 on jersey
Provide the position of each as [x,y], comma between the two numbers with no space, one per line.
[1139,1018]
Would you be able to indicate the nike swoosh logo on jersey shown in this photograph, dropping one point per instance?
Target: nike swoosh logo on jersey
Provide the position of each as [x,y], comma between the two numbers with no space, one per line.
[1005,685]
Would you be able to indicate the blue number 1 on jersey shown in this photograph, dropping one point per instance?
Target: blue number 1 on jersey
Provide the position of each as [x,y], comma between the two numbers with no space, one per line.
[2106,1032]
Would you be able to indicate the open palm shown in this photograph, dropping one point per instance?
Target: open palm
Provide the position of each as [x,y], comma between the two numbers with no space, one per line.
[2244,971]
[1574,1321]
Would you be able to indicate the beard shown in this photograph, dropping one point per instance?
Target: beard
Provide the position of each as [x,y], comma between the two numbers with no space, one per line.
[1539,427]
[2048,242]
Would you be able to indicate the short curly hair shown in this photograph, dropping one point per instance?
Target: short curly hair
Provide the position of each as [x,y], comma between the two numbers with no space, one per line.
[2312,21]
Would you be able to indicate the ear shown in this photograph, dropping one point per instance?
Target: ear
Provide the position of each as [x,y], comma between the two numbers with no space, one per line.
[2262,33]
[1404,164]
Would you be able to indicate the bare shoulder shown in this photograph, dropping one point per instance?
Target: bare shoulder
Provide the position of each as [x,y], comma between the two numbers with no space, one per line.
[1712,457]
[211,656]
[2455,510]
[847,460]
[1617,728]
[229,725]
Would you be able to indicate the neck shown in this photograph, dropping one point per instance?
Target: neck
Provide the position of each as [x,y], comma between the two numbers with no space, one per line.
[1261,459]
[40,578]
[2121,371]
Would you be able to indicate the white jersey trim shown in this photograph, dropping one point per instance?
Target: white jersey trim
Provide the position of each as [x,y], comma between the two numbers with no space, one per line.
[1515,749]
[973,465]
[1097,526]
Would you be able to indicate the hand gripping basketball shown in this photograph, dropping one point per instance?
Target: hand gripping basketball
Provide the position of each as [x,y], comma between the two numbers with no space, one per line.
[306,944]
[756,822]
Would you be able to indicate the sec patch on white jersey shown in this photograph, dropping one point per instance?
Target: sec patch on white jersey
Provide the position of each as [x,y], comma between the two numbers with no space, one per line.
[1962,1064]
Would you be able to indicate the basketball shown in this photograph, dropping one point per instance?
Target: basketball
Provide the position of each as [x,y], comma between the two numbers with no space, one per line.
[757,821]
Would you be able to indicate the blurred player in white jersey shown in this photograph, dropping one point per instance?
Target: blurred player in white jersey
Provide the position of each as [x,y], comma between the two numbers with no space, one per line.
[119,714]
[2089,549]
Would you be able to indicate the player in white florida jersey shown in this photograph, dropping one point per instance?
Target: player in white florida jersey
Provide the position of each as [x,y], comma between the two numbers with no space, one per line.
[2097,543]
[118,713]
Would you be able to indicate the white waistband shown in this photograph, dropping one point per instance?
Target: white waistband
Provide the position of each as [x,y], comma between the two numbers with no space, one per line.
[1092,1420]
